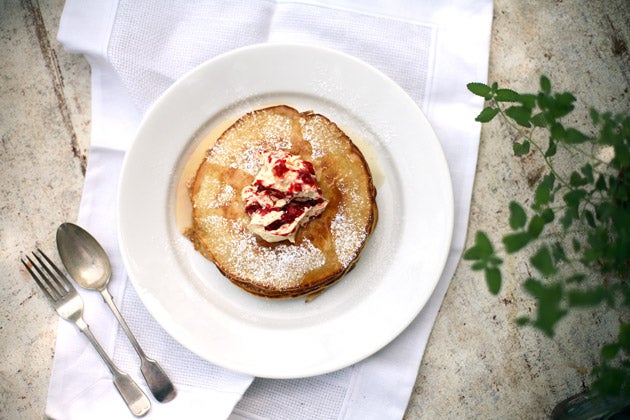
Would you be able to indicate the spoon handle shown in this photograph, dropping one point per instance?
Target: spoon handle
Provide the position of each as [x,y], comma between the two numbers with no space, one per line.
[159,383]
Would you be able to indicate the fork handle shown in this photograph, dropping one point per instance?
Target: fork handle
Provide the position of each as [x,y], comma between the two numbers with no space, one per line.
[137,402]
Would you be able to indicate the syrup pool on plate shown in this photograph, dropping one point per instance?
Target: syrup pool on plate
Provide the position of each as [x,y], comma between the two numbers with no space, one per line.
[183,206]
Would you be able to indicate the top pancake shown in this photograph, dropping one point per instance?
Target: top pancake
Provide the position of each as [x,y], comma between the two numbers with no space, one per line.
[326,248]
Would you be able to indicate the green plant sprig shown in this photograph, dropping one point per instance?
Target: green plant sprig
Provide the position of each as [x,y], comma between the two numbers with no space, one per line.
[585,261]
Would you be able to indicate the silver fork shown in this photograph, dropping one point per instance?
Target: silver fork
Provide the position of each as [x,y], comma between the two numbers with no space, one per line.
[69,305]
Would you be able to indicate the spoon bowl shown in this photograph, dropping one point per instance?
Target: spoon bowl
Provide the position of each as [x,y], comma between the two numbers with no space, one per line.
[87,263]
[84,258]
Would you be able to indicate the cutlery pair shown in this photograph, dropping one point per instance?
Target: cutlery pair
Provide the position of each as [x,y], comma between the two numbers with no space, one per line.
[89,266]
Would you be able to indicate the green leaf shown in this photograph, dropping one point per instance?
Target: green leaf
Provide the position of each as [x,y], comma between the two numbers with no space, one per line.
[610,380]
[522,320]
[482,251]
[557,252]
[557,131]
[516,241]
[471,254]
[576,245]
[534,287]
[621,194]
[542,195]
[494,260]
[479,265]
[480,89]
[556,106]
[599,242]
[493,280]
[528,100]
[573,136]
[547,215]
[539,120]
[549,298]
[552,148]
[521,149]
[543,262]
[590,219]
[507,95]
[585,298]
[574,197]
[604,210]
[520,114]
[484,245]
[567,219]
[577,180]
[610,351]
[562,104]
[587,170]
[545,84]
[600,184]
[575,278]
[518,217]
[535,227]
[622,155]
[594,116]
[543,100]
[487,114]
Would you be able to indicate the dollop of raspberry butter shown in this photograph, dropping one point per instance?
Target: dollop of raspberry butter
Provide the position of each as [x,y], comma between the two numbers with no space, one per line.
[283,197]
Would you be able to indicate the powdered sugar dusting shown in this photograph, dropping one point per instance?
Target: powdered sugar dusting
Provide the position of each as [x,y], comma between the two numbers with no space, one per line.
[274,134]
[225,193]
[347,238]
[282,266]
[320,136]
[343,227]
[317,151]
[250,160]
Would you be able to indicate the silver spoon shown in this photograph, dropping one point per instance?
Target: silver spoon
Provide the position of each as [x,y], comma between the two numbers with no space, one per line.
[89,266]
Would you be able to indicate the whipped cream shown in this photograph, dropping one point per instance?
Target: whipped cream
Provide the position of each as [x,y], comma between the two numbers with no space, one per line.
[283,197]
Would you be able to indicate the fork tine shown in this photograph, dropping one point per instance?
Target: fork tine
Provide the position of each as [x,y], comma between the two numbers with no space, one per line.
[39,278]
[48,278]
[60,279]
[51,279]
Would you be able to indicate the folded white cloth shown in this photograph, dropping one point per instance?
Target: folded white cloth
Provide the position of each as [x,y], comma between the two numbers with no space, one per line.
[137,48]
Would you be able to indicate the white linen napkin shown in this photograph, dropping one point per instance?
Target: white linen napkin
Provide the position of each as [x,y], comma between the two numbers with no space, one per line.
[137,48]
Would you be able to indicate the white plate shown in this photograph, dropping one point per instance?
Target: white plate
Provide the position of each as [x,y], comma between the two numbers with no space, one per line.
[399,266]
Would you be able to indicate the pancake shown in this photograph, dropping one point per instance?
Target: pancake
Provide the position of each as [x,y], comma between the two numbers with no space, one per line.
[326,247]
